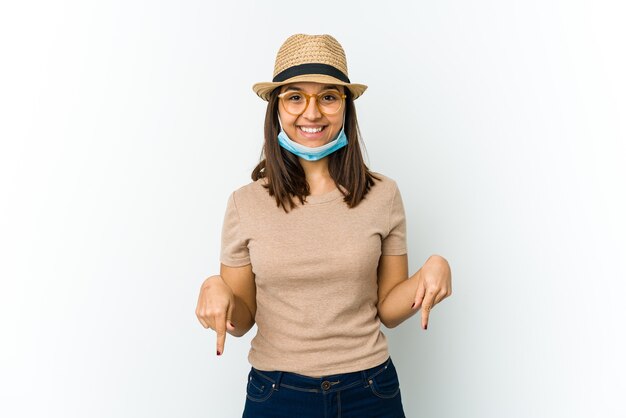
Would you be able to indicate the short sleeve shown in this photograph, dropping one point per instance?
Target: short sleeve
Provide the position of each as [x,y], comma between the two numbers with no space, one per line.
[234,249]
[395,241]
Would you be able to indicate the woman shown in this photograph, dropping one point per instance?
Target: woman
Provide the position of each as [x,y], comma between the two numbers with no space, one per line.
[314,252]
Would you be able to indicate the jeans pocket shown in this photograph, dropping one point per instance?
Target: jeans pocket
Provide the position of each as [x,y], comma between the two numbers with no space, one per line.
[259,389]
[384,382]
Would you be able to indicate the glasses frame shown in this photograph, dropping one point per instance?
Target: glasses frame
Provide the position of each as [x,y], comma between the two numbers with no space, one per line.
[308,98]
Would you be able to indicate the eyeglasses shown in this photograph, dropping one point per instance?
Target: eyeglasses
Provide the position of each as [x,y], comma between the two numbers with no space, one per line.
[328,102]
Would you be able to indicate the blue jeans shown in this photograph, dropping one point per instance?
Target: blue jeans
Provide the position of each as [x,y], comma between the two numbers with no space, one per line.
[371,393]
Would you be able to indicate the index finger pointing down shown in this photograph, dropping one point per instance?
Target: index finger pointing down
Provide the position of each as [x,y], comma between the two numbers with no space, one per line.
[427,305]
[220,328]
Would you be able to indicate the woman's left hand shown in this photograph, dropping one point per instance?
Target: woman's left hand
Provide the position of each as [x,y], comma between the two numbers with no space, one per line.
[434,285]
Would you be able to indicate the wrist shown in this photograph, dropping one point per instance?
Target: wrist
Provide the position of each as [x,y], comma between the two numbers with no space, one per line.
[437,265]
[211,281]
[436,260]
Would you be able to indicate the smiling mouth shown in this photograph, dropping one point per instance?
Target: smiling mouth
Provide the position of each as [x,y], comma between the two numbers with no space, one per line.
[311,130]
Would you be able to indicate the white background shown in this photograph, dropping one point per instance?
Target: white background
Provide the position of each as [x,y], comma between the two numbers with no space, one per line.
[125,125]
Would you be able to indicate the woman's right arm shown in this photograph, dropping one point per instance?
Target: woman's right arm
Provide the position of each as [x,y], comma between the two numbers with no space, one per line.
[241,282]
[231,296]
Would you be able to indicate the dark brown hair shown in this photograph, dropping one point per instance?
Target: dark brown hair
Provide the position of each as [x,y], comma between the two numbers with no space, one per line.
[285,176]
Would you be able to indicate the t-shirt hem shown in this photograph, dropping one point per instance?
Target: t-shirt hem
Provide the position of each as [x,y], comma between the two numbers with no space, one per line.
[316,373]
[235,263]
[394,251]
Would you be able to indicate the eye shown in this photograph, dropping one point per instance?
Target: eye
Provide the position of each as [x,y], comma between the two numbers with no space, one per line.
[294,97]
[329,97]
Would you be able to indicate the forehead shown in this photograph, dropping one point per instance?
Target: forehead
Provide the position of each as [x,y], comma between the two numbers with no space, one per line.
[310,87]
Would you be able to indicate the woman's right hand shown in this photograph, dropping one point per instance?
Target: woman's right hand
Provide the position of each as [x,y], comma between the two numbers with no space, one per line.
[215,308]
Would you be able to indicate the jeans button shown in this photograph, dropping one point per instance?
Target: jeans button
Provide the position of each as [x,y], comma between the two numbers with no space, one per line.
[325,385]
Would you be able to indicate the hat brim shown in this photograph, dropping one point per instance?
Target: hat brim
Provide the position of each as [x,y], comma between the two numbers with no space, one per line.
[263,90]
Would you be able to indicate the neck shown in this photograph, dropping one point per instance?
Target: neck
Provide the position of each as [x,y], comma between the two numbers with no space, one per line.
[316,171]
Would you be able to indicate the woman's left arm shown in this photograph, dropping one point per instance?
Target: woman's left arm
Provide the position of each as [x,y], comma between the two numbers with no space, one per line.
[427,287]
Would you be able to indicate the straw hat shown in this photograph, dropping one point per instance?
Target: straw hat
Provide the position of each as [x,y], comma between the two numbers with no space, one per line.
[316,58]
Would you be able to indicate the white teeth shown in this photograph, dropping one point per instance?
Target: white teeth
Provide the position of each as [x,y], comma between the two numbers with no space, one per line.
[311,130]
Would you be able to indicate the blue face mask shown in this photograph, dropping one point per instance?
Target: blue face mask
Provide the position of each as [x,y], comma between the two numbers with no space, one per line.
[312,153]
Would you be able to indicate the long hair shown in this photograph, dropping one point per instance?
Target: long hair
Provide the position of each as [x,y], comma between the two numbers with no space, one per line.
[285,176]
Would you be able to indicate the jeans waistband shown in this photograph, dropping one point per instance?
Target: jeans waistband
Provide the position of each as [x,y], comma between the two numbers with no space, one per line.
[326,384]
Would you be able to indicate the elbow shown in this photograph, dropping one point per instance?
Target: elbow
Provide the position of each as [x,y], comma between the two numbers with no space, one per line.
[236,333]
[240,331]
[390,325]
[386,323]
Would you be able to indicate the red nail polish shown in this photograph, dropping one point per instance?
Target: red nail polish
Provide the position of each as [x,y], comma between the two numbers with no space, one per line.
[425,327]
[413,305]
[218,353]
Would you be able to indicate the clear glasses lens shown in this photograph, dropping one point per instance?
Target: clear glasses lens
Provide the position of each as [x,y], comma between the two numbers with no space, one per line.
[328,102]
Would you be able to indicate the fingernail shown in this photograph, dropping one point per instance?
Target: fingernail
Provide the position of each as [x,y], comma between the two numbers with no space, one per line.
[231,324]
[425,327]
[218,353]
[413,305]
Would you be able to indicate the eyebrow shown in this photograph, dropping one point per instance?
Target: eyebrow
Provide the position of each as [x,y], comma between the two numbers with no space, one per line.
[326,87]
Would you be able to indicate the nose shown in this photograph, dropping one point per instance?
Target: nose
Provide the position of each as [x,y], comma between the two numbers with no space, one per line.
[312,112]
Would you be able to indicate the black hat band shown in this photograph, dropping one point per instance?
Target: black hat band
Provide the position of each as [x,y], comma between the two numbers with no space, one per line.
[311,68]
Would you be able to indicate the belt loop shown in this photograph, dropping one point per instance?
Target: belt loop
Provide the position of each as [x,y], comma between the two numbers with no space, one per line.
[364,377]
[278,378]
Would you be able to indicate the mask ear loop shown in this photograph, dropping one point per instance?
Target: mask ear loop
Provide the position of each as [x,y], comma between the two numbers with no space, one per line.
[343,124]
[278,116]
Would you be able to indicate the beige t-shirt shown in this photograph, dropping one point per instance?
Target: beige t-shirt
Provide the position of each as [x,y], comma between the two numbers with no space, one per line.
[315,273]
